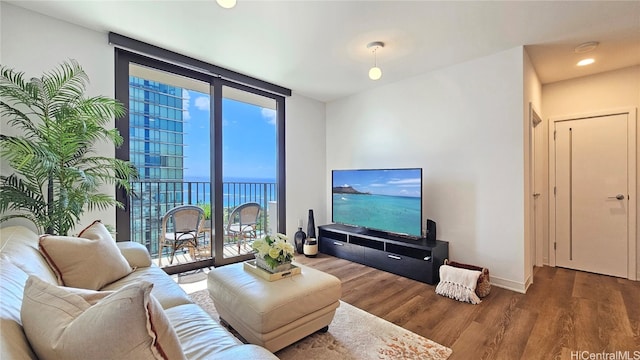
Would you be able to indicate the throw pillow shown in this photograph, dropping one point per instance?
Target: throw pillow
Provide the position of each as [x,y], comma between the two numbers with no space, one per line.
[90,261]
[67,323]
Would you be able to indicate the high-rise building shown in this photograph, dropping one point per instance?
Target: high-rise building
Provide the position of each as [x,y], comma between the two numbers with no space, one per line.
[156,140]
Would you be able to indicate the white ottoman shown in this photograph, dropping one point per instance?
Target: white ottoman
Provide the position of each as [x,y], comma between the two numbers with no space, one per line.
[277,313]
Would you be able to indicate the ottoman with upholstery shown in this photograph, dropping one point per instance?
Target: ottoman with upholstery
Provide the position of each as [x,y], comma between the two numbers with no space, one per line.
[274,314]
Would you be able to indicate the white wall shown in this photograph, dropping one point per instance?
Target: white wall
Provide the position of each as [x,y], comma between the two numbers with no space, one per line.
[34,44]
[464,126]
[306,162]
[606,91]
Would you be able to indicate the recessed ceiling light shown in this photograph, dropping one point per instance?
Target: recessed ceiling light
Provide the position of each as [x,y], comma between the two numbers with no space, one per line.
[584,62]
[586,47]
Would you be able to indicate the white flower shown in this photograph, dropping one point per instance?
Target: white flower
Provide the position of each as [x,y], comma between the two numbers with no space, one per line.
[274,253]
[261,247]
[279,244]
[274,248]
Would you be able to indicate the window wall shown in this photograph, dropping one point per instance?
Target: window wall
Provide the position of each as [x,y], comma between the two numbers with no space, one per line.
[198,139]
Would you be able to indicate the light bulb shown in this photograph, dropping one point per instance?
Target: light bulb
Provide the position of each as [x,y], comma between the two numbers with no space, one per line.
[227,4]
[375,73]
[584,62]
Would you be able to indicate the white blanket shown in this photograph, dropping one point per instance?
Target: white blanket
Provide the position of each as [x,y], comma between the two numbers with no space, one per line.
[459,284]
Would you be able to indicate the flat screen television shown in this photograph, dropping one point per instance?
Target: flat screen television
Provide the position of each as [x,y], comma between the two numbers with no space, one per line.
[388,200]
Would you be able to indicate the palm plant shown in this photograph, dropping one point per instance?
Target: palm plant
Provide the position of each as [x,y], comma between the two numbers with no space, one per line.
[57,173]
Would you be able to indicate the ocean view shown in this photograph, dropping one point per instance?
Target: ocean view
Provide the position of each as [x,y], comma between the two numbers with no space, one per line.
[397,214]
[235,190]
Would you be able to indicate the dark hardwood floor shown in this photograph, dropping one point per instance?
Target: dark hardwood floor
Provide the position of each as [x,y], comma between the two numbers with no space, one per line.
[563,312]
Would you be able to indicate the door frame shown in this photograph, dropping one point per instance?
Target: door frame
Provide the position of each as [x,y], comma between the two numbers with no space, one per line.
[632,242]
[537,240]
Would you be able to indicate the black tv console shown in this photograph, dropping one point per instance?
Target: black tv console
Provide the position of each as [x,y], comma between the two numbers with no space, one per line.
[418,259]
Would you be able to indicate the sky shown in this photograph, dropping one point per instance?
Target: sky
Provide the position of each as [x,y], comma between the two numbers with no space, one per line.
[248,139]
[394,182]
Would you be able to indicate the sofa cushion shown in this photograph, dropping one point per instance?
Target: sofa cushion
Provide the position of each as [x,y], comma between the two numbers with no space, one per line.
[64,323]
[136,254]
[198,333]
[20,246]
[89,262]
[13,342]
[165,289]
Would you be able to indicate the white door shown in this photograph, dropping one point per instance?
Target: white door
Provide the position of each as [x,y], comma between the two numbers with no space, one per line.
[592,201]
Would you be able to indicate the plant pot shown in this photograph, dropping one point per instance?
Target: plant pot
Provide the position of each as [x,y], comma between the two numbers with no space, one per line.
[280,268]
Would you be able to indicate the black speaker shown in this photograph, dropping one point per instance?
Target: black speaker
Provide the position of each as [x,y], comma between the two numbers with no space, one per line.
[431,230]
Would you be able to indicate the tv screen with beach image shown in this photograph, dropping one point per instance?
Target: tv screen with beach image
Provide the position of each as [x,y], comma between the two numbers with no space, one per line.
[389,200]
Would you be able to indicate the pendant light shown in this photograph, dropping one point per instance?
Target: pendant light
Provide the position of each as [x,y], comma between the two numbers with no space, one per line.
[227,4]
[375,72]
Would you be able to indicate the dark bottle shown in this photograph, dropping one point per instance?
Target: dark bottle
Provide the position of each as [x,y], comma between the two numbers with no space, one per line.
[311,225]
[298,239]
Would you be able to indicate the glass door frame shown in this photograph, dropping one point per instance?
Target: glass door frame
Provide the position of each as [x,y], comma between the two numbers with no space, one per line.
[217,164]
[122,60]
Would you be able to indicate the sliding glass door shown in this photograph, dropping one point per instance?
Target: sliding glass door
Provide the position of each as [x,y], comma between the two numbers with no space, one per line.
[203,141]
[249,161]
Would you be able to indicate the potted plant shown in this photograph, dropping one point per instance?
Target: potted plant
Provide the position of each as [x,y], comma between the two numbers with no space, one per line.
[57,173]
[206,207]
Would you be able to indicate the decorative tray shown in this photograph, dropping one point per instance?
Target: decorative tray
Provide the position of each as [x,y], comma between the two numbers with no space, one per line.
[251,267]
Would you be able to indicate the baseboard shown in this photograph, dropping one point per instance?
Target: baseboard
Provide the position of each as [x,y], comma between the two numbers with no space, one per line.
[528,282]
[510,284]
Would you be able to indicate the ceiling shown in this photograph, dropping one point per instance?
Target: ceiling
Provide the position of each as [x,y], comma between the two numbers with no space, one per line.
[318,48]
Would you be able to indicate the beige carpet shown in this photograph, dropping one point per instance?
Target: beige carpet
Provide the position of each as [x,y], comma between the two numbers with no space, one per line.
[354,335]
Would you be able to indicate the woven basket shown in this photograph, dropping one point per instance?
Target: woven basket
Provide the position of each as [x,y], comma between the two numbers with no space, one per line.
[483,288]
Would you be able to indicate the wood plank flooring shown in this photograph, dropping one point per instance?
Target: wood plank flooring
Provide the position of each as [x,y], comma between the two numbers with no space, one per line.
[563,312]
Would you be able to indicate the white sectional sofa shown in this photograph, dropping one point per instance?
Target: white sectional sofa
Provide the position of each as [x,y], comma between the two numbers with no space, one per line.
[200,337]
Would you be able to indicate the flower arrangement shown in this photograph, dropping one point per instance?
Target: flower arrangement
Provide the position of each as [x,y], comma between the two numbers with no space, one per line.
[273,251]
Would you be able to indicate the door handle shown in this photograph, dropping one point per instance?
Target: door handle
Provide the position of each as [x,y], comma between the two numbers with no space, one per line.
[394,257]
[337,243]
[617,197]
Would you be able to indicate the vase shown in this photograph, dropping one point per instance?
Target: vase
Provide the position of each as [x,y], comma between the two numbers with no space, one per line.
[261,263]
[298,239]
[311,225]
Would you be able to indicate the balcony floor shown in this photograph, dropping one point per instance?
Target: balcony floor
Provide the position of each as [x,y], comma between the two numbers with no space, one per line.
[183,257]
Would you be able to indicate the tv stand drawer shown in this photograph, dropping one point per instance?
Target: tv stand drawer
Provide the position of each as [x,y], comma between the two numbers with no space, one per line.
[341,249]
[421,270]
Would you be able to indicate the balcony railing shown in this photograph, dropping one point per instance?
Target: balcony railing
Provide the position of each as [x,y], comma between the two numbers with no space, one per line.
[150,200]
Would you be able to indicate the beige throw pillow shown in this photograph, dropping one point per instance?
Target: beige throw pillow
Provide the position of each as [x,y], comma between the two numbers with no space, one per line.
[67,323]
[89,261]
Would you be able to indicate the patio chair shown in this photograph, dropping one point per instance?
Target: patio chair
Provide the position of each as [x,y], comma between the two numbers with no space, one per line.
[181,227]
[243,222]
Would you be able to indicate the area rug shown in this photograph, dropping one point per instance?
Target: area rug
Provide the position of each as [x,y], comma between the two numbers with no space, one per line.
[353,335]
